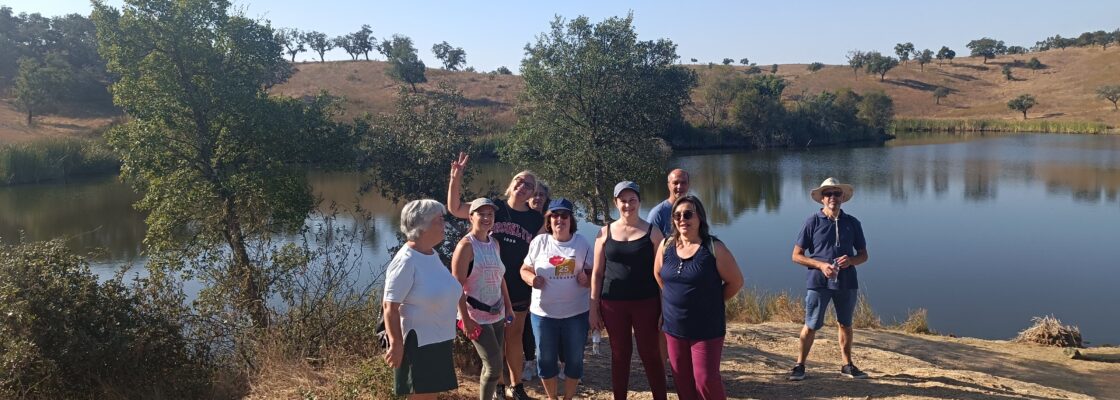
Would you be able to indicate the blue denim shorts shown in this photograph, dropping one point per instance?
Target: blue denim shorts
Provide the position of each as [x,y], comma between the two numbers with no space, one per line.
[816,304]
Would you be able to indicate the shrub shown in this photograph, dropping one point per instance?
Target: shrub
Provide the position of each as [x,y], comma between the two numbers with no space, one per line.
[814,67]
[916,322]
[1049,331]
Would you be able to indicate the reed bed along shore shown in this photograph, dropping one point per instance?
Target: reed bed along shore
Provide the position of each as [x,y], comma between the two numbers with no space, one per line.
[998,125]
[55,159]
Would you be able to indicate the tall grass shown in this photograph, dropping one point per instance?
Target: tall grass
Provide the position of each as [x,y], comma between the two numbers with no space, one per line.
[755,306]
[53,159]
[997,125]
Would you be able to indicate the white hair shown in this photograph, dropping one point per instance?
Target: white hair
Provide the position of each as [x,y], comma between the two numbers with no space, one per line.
[417,215]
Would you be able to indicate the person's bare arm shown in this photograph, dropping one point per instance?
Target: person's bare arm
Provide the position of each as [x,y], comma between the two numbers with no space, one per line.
[392,312]
[799,257]
[455,204]
[728,270]
[598,272]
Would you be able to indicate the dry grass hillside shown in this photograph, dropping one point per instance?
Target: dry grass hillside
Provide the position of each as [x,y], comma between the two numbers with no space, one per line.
[1065,90]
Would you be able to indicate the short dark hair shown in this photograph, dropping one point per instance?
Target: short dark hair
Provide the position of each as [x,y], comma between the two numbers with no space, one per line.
[571,222]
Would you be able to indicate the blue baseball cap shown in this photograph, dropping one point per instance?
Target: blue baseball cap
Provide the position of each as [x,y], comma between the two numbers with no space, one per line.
[626,185]
[560,204]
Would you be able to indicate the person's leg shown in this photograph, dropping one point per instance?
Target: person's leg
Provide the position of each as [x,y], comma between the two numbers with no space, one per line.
[529,346]
[547,332]
[816,303]
[573,338]
[680,359]
[514,361]
[616,317]
[645,314]
[490,350]
[706,355]
[845,301]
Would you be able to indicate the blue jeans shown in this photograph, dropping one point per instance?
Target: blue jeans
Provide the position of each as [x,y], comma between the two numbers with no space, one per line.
[816,304]
[550,333]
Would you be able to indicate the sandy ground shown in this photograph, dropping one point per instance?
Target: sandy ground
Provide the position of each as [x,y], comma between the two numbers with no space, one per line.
[902,366]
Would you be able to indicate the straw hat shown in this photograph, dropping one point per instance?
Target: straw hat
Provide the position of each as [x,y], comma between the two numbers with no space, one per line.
[832,183]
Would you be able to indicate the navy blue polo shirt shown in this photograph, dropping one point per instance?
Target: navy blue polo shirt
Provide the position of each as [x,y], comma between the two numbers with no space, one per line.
[818,237]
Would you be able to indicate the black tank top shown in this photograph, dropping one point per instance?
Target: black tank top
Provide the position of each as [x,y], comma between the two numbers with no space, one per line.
[629,268]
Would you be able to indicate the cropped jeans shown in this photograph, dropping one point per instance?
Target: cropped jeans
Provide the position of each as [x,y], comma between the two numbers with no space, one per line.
[550,333]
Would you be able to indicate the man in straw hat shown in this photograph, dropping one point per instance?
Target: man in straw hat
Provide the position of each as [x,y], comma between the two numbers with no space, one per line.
[834,243]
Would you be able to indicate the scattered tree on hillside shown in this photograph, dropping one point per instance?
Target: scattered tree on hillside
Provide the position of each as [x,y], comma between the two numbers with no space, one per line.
[1103,39]
[1034,64]
[903,50]
[451,57]
[774,69]
[753,69]
[816,66]
[294,42]
[924,57]
[1110,93]
[404,64]
[939,93]
[1022,104]
[987,48]
[40,84]
[744,61]
[594,97]
[318,42]
[946,54]
[856,60]
[1006,70]
[364,40]
[1016,50]
[221,163]
[880,64]
[502,70]
[727,61]
[694,61]
[348,44]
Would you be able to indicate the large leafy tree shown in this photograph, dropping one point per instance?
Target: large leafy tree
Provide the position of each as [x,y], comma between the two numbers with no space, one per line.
[319,42]
[856,60]
[1022,104]
[946,54]
[879,64]
[349,45]
[293,40]
[987,48]
[903,51]
[923,58]
[220,163]
[40,84]
[364,40]
[596,99]
[404,64]
[451,57]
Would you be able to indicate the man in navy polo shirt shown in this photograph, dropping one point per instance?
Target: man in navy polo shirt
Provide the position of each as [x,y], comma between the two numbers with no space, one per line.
[830,245]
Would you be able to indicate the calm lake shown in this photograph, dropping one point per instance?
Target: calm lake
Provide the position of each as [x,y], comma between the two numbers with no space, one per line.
[985,232]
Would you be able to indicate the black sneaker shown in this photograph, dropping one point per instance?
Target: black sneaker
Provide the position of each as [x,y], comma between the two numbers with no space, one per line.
[519,393]
[500,393]
[852,372]
[797,373]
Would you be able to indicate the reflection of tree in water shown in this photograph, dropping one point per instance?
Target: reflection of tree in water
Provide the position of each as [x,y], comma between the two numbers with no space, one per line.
[979,184]
[733,184]
[1088,184]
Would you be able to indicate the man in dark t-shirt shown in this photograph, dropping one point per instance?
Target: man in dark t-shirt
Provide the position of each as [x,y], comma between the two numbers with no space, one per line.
[830,245]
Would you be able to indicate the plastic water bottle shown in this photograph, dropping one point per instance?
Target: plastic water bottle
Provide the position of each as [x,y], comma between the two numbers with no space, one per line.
[596,337]
[834,281]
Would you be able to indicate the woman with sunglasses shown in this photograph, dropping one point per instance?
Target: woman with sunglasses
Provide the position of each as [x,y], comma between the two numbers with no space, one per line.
[556,267]
[697,274]
[515,224]
[625,298]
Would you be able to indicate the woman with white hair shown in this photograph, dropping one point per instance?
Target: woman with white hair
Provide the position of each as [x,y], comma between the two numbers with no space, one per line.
[420,303]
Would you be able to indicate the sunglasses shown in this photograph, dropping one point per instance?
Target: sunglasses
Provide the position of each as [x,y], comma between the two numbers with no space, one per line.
[683,215]
[832,194]
[560,215]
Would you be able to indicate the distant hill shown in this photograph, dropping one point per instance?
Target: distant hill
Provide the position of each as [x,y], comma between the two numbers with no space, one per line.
[1065,89]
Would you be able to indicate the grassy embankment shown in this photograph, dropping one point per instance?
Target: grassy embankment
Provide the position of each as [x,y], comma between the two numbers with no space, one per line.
[54,159]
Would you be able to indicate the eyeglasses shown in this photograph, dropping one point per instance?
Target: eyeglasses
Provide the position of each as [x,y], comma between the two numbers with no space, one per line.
[831,194]
[560,215]
[683,215]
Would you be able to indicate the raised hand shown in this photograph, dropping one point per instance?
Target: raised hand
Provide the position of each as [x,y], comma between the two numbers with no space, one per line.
[459,165]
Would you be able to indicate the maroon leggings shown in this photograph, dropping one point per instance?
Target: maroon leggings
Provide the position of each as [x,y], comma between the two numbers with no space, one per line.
[639,316]
[696,367]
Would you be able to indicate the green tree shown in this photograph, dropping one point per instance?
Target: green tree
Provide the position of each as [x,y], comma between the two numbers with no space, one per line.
[1006,71]
[774,69]
[879,64]
[1103,39]
[1016,50]
[903,51]
[924,57]
[946,54]
[319,42]
[40,84]
[502,70]
[744,61]
[876,109]
[596,100]
[220,163]
[294,42]
[856,60]
[728,61]
[717,89]
[757,110]
[349,45]
[940,93]
[452,57]
[1022,104]
[1034,64]
[1110,93]
[816,66]
[987,48]
[364,40]
[404,65]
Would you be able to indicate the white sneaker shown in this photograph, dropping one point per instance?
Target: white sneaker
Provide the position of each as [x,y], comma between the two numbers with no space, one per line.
[561,375]
[529,371]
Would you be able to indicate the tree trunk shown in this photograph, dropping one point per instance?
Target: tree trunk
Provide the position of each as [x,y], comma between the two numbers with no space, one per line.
[938,100]
[293,58]
[414,87]
[1114,107]
[1024,115]
[28,116]
[252,295]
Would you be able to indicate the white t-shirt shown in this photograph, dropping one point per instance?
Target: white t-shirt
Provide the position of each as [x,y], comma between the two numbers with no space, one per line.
[559,262]
[428,293]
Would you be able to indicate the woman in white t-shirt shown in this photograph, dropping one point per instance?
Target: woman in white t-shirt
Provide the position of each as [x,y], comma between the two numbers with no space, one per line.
[421,297]
[557,267]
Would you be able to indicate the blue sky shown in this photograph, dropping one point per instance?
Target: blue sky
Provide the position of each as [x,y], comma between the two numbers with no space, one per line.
[493,33]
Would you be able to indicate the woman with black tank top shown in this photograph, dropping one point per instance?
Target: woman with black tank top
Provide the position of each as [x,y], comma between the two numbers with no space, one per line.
[624,294]
[515,224]
[697,274]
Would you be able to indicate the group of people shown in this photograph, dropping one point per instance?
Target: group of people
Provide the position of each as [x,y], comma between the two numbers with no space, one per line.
[659,283]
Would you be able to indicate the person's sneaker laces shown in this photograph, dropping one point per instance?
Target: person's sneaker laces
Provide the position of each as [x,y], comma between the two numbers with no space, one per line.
[529,371]
[797,373]
[519,393]
[852,372]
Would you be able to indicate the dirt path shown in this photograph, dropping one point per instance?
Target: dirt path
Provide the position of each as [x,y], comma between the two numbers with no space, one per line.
[902,366]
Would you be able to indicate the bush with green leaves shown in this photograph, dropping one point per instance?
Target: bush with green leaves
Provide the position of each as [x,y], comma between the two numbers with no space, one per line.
[65,335]
[816,66]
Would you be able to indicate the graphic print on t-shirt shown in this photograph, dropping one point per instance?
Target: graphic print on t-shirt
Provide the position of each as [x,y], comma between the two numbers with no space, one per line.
[492,279]
[565,267]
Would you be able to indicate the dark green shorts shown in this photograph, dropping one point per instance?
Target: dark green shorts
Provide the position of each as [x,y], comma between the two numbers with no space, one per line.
[425,369]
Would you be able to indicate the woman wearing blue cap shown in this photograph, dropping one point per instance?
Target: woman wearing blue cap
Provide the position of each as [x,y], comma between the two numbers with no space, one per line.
[625,298]
[557,268]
